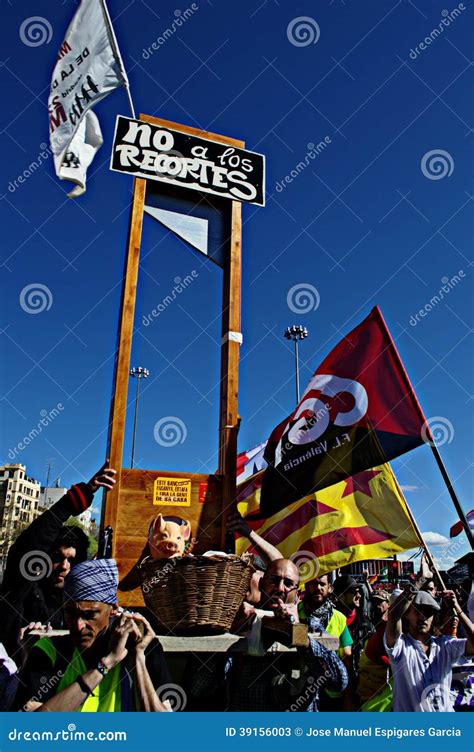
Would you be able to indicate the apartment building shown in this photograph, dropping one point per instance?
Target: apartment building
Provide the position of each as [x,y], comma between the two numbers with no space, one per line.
[19,503]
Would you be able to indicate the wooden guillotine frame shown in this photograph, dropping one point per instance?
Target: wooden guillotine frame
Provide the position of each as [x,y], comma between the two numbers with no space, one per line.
[130,507]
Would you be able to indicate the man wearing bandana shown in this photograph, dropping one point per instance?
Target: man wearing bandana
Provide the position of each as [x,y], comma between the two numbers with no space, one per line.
[109,662]
[318,610]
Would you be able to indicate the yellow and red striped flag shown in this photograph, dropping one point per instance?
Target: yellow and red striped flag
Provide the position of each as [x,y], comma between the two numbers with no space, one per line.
[362,517]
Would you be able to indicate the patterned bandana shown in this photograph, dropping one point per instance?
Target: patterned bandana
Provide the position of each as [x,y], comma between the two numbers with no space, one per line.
[323,613]
[95,580]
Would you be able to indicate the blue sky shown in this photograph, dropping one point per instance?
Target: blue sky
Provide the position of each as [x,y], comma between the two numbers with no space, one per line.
[368,221]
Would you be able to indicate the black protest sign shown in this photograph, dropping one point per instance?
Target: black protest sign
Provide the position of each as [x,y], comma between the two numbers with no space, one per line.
[158,153]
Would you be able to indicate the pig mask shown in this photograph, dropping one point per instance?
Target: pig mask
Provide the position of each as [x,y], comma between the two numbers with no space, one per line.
[167,539]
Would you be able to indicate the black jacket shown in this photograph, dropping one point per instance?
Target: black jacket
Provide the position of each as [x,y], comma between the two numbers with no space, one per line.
[24,597]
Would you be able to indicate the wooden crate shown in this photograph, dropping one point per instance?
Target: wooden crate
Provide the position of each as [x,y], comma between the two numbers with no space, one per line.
[136,509]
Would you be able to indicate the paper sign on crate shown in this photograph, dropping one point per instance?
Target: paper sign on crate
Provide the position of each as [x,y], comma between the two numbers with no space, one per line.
[172,492]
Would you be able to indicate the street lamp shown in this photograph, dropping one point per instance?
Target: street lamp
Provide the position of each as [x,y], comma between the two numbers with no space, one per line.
[137,373]
[296,333]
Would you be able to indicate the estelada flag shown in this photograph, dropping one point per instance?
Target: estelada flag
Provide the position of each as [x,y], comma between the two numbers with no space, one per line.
[458,527]
[362,517]
[358,411]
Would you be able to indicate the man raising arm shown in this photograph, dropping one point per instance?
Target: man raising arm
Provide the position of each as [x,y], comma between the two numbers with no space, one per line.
[422,664]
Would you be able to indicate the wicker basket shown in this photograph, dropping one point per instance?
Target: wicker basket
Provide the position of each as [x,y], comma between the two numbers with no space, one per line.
[199,594]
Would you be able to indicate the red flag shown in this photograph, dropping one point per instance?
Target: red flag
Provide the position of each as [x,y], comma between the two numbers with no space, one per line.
[358,411]
[458,527]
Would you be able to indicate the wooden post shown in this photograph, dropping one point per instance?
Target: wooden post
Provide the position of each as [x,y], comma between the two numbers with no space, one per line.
[118,407]
[230,353]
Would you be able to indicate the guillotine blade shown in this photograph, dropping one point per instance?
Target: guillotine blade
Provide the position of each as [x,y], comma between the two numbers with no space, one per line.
[202,221]
[194,230]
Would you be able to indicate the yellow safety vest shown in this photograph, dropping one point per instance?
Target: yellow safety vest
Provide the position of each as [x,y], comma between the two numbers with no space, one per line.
[107,695]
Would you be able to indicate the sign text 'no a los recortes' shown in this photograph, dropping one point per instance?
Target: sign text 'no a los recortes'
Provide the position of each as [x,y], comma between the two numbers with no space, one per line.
[158,153]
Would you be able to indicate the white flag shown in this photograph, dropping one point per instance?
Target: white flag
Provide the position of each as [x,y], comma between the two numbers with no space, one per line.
[81,151]
[88,68]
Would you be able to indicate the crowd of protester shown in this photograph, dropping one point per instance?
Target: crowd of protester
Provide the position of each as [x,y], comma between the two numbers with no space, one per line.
[392,650]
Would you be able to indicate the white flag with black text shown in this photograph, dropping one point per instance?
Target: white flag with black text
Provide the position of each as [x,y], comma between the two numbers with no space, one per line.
[88,68]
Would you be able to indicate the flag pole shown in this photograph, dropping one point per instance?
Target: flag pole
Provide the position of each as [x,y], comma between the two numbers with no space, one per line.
[114,43]
[427,551]
[432,564]
[434,448]
[452,493]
